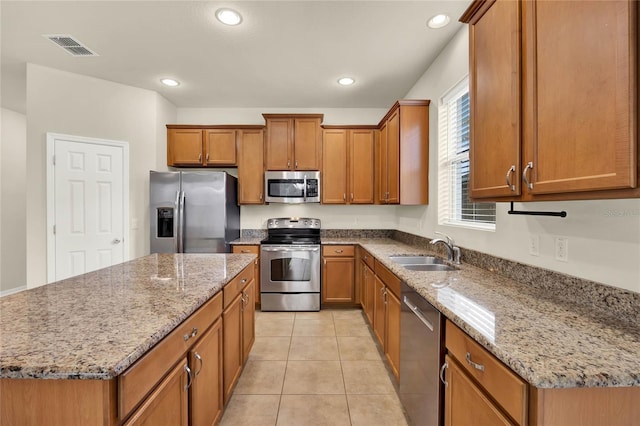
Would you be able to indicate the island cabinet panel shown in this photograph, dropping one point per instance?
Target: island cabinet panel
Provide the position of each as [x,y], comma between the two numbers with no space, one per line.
[184,147]
[253,249]
[32,402]
[294,141]
[220,147]
[251,167]
[232,322]
[338,274]
[553,120]
[168,403]
[248,319]
[368,289]
[139,379]
[205,393]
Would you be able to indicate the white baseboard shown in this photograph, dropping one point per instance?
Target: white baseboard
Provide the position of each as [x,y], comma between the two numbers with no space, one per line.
[12,290]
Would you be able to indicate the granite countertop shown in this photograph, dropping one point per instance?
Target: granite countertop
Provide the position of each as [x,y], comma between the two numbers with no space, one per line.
[95,325]
[550,343]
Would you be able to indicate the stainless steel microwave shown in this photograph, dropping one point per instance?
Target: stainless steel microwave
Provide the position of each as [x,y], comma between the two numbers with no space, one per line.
[292,187]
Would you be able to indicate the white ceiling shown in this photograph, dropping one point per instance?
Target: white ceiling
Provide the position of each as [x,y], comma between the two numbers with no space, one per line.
[284,54]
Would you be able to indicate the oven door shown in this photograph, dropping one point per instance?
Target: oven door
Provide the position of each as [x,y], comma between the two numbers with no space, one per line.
[290,268]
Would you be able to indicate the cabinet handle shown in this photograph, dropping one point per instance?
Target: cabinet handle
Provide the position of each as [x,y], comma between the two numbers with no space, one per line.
[245,251]
[189,378]
[288,164]
[352,197]
[199,358]
[338,250]
[242,281]
[296,164]
[444,367]
[199,158]
[207,158]
[512,169]
[524,175]
[194,333]
[260,197]
[325,261]
[474,364]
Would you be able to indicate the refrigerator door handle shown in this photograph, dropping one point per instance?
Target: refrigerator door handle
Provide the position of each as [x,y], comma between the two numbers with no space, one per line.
[176,225]
[181,224]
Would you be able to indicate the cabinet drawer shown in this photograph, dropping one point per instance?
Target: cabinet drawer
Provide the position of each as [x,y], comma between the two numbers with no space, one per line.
[235,286]
[367,257]
[388,278]
[139,379]
[338,251]
[502,384]
[247,249]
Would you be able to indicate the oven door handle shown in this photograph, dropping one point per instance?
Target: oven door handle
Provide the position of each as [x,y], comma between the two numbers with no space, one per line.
[289,250]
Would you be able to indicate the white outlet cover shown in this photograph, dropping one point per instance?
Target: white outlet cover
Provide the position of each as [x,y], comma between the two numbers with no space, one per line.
[534,245]
[562,249]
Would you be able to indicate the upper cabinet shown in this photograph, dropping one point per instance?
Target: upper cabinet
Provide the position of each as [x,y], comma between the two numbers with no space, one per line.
[251,166]
[201,146]
[402,165]
[348,165]
[293,141]
[563,125]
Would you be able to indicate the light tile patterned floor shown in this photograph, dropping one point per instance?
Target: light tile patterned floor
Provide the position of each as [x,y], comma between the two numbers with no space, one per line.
[314,368]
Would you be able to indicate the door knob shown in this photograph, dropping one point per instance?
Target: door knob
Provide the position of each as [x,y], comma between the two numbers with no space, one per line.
[115,241]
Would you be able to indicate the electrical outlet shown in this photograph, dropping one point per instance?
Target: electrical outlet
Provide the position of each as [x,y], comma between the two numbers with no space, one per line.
[562,249]
[534,245]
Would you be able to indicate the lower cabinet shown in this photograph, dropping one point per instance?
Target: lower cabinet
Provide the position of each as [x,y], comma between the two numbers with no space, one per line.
[248,319]
[338,274]
[206,368]
[368,291]
[252,249]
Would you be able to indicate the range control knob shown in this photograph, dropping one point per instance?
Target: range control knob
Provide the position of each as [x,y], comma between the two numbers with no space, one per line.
[306,222]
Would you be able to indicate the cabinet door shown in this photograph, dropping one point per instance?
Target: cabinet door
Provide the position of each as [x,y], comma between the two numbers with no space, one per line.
[205,359]
[393,158]
[379,311]
[167,404]
[232,347]
[580,119]
[338,280]
[307,143]
[220,147]
[251,167]
[392,348]
[248,319]
[184,147]
[279,143]
[334,168]
[494,90]
[256,271]
[465,404]
[369,284]
[361,166]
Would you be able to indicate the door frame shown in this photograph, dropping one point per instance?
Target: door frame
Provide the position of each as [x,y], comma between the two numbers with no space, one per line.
[51,237]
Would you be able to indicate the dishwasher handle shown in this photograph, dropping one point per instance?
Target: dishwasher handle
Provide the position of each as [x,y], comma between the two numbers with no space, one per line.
[418,313]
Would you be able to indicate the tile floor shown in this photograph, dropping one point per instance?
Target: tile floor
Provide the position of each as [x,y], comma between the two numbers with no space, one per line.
[314,368]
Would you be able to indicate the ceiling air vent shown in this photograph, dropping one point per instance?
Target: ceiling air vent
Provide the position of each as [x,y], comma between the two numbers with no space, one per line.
[71,45]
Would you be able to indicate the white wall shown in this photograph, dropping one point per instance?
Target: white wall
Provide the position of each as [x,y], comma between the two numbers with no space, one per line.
[73,104]
[604,235]
[12,200]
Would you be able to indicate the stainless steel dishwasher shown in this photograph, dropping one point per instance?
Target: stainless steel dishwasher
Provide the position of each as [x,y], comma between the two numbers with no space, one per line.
[421,354]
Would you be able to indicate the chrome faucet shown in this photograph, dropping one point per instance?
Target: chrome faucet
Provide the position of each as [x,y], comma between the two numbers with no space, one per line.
[453,252]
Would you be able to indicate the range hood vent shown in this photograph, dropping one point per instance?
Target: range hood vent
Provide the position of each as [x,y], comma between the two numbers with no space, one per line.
[70,44]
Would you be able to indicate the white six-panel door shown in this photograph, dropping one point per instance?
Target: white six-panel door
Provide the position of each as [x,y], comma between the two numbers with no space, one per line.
[89,206]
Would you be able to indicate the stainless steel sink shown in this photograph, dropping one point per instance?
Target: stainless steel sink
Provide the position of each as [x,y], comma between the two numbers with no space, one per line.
[416,260]
[429,267]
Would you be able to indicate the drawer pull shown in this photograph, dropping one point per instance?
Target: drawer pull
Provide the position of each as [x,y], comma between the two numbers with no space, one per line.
[444,367]
[474,364]
[194,332]
[244,280]
[339,250]
[245,251]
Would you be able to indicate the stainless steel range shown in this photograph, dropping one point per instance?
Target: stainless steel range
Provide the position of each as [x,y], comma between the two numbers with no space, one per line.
[290,265]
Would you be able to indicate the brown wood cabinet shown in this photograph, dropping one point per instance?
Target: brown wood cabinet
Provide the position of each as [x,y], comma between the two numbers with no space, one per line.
[402,168]
[386,315]
[338,274]
[348,165]
[205,145]
[536,133]
[248,319]
[367,285]
[206,393]
[293,141]
[254,249]
[251,166]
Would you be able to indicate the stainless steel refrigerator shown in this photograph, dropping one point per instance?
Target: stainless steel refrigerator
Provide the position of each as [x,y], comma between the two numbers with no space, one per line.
[193,212]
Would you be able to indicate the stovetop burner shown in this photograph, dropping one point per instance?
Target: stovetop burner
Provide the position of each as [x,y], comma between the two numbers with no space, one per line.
[292,230]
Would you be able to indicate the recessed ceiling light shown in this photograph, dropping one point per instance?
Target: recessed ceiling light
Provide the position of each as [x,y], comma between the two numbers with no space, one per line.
[438,21]
[170,82]
[228,16]
[346,81]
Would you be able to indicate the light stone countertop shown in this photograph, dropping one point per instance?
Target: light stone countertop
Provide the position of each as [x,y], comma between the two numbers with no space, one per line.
[95,325]
[548,342]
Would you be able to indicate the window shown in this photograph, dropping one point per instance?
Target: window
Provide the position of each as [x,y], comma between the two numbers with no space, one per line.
[454,207]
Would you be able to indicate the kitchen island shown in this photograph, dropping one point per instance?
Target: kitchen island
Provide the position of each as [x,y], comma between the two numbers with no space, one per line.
[87,331]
